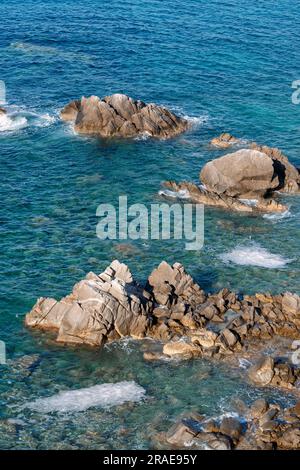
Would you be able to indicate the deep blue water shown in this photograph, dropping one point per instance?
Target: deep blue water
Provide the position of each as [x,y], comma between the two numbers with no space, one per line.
[230,65]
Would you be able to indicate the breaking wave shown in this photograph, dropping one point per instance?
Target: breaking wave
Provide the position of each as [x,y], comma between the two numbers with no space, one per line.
[254,255]
[104,396]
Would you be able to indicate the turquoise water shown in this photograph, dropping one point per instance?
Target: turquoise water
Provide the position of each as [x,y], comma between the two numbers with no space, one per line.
[228,64]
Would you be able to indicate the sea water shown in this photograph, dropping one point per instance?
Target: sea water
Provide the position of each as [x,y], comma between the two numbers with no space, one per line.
[225,66]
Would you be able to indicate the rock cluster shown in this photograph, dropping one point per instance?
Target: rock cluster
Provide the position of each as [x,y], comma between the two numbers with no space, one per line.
[119,115]
[262,426]
[200,195]
[172,308]
[286,175]
[243,180]
[274,373]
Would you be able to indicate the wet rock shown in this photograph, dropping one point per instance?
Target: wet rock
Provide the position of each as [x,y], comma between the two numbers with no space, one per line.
[119,115]
[181,348]
[224,141]
[263,372]
[231,427]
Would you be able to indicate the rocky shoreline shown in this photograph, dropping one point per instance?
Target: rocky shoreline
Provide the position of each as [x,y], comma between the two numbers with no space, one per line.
[262,426]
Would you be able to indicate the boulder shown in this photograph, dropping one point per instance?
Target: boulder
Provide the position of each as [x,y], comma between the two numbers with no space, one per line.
[100,307]
[288,175]
[119,115]
[181,348]
[245,173]
[262,373]
[2,111]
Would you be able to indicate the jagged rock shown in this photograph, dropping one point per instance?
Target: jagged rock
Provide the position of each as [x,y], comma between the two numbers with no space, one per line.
[97,307]
[224,141]
[119,115]
[263,427]
[205,338]
[231,427]
[263,372]
[200,195]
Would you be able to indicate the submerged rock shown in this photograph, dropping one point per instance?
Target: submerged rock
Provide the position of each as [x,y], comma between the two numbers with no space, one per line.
[200,195]
[119,115]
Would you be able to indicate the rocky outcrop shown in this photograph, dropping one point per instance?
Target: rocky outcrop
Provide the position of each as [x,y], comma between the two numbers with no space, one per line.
[286,174]
[244,174]
[242,181]
[262,426]
[200,195]
[224,141]
[120,116]
[278,373]
[100,308]
[172,308]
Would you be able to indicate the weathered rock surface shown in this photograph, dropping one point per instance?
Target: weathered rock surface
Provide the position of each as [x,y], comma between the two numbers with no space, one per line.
[108,306]
[264,426]
[172,308]
[200,195]
[119,115]
[287,174]
[245,173]
[274,373]
[224,141]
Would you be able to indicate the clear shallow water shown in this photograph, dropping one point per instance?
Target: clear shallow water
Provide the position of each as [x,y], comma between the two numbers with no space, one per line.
[229,65]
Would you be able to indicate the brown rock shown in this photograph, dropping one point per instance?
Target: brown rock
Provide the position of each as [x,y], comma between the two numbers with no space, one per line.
[243,173]
[120,116]
[263,372]
[181,348]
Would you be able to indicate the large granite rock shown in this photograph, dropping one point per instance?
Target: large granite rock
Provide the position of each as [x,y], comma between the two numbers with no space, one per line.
[287,174]
[100,308]
[245,173]
[119,115]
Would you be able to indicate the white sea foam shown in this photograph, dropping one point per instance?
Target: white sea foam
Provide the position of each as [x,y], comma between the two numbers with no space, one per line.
[196,121]
[249,202]
[278,216]
[8,124]
[254,255]
[18,118]
[181,194]
[104,396]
